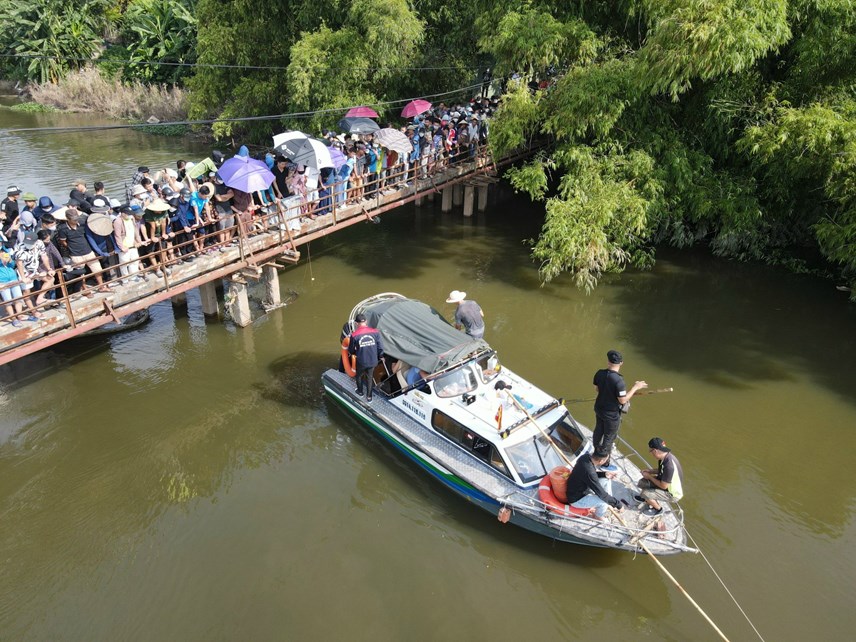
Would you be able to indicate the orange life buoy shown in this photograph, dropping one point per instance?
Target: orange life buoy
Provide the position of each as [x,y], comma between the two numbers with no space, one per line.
[349,361]
[545,494]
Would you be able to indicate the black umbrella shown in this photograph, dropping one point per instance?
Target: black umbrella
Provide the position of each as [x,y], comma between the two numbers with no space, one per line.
[358,125]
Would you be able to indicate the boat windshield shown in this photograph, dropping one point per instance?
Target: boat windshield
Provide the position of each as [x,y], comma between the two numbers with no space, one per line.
[456,382]
[489,367]
[534,458]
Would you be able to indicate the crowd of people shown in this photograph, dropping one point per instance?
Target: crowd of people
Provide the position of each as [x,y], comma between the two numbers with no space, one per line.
[93,241]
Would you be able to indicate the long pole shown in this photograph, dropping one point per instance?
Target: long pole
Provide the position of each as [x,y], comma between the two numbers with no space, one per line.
[671,577]
[544,432]
[637,394]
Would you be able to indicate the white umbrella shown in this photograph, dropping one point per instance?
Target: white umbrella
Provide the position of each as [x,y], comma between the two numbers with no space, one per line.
[313,153]
[393,139]
[289,142]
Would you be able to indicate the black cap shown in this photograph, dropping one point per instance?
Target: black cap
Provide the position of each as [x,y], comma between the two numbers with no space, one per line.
[658,444]
[143,169]
[360,318]
[501,385]
[614,357]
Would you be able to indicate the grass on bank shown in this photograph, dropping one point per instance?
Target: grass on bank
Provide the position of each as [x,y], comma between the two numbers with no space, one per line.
[33,108]
[88,90]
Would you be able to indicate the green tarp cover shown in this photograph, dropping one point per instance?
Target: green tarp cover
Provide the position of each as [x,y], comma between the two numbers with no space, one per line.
[418,335]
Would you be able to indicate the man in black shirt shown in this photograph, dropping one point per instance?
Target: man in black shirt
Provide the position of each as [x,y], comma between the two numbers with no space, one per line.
[589,489]
[612,395]
[73,238]
[9,207]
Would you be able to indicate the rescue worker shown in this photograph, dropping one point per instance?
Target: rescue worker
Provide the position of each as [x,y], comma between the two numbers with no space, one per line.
[367,346]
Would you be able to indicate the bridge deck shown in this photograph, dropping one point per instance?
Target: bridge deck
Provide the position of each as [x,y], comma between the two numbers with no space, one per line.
[276,240]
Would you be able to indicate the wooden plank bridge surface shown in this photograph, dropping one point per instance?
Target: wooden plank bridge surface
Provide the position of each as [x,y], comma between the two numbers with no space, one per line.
[276,243]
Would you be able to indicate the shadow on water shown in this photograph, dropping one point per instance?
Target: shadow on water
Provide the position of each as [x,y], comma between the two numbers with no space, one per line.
[488,247]
[45,363]
[737,325]
[296,379]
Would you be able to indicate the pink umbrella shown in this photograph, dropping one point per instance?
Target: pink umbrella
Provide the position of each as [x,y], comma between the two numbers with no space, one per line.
[415,107]
[365,112]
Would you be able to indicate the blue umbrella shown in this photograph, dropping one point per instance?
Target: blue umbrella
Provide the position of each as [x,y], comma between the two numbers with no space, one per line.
[246,174]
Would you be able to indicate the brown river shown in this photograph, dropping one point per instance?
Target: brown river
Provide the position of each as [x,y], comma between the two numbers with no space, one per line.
[189,481]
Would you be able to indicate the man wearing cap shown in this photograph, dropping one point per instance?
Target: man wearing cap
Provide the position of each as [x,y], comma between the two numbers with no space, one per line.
[72,238]
[612,395]
[588,487]
[468,315]
[367,346]
[9,207]
[664,484]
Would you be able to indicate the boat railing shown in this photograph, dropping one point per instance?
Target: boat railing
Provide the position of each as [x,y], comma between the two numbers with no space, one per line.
[527,503]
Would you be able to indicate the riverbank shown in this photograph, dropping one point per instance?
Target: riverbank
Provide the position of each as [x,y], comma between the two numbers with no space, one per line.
[91,91]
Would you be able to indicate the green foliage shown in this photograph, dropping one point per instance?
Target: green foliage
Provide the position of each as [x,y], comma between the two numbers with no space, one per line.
[248,32]
[595,94]
[356,64]
[517,120]
[51,36]
[598,221]
[162,31]
[688,39]
[531,40]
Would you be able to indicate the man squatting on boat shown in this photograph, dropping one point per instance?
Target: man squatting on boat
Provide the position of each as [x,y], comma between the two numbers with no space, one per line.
[367,346]
[611,402]
[664,484]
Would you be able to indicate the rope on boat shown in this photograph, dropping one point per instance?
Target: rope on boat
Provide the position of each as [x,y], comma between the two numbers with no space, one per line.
[704,557]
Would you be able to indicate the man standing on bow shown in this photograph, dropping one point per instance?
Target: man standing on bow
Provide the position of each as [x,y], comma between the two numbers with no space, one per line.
[367,346]
[469,316]
[611,400]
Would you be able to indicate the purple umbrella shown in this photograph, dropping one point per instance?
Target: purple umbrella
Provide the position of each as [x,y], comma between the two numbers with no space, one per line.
[415,107]
[337,157]
[366,112]
[246,174]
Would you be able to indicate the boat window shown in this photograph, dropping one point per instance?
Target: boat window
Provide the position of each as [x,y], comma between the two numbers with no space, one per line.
[526,461]
[455,383]
[535,457]
[489,367]
[470,441]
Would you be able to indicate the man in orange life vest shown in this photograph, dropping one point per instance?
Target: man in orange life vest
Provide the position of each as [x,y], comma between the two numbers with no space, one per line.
[367,346]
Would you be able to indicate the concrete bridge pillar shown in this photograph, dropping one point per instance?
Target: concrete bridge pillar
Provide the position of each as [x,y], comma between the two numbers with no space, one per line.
[208,294]
[430,196]
[179,300]
[270,278]
[483,197]
[446,205]
[457,194]
[238,303]
[420,201]
[469,198]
